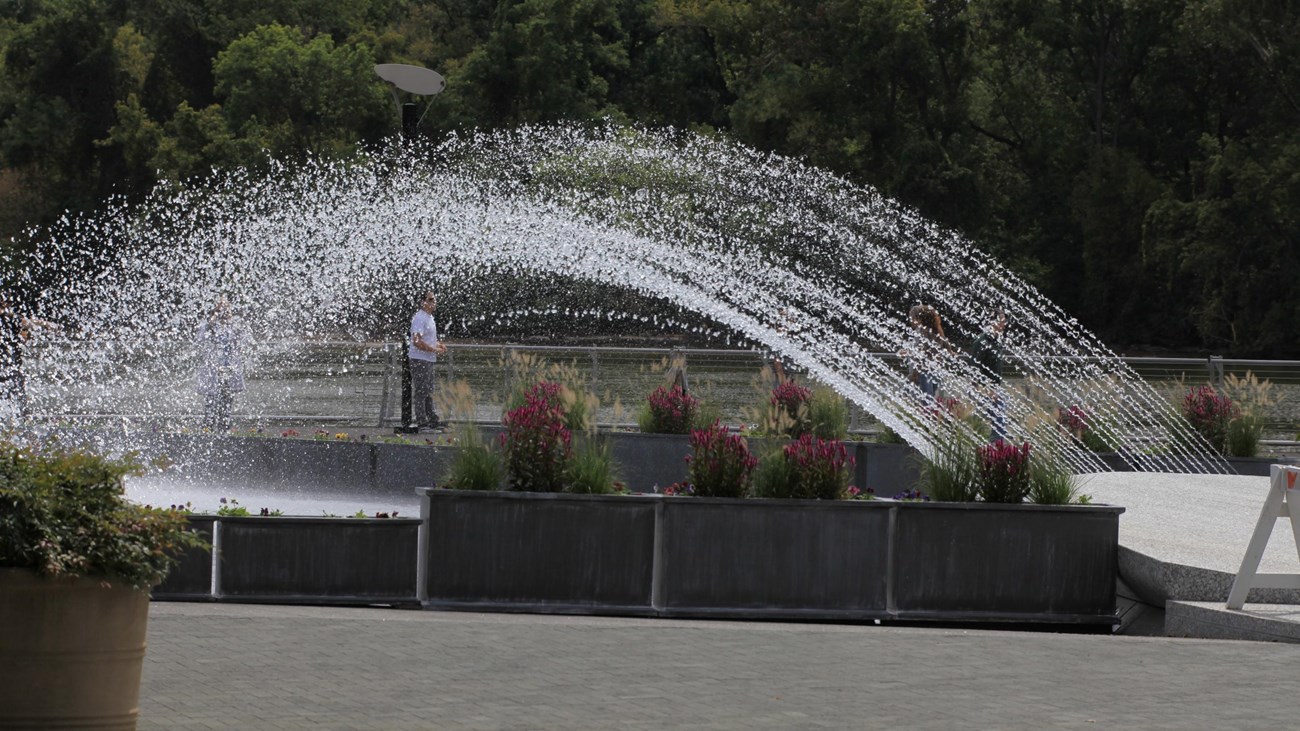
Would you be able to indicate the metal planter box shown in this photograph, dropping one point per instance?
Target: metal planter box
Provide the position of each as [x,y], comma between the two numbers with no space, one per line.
[328,560]
[770,558]
[983,561]
[773,558]
[299,560]
[191,578]
[538,551]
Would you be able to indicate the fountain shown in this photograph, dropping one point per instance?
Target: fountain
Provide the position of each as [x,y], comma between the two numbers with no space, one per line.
[773,253]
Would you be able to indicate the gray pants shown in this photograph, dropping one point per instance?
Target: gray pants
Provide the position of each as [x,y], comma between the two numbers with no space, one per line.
[423,389]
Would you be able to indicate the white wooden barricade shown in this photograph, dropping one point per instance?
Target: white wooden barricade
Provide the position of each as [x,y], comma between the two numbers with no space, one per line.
[1283,494]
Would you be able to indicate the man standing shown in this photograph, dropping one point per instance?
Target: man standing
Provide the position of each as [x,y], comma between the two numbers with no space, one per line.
[423,354]
[14,328]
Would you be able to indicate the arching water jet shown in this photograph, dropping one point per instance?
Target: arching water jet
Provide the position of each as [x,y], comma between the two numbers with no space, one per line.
[781,255]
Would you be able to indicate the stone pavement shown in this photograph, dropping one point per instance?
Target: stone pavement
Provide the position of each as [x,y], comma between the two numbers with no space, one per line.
[233,666]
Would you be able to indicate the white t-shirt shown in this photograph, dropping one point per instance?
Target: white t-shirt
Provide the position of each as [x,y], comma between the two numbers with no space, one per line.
[424,325]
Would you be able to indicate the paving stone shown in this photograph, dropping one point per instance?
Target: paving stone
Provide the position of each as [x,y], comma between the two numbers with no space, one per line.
[255,666]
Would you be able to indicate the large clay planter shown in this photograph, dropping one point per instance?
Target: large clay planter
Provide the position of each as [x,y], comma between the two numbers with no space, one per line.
[71,652]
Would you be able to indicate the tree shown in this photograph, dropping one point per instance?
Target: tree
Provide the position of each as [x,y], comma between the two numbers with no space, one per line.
[290,92]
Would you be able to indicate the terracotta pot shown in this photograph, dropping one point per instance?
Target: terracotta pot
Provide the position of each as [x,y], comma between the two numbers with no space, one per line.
[72,652]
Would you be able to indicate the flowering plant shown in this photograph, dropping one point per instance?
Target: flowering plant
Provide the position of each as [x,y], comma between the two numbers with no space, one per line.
[789,401]
[536,442]
[720,464]
[1074,419]
[820,468]
[671,411]
[1209,414]
[1003,471]
[679,489]
[1079,423]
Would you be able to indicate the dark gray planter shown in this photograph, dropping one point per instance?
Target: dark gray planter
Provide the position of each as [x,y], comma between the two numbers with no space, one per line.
[649,462]
[191,578]
[400,468]
[888,469]
[1247,466]
[758,558]
[773,558]
[985,561]
[537,551]
[1256,466]
[318,560]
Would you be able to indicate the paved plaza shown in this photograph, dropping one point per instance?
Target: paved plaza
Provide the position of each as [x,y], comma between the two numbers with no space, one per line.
[234,666]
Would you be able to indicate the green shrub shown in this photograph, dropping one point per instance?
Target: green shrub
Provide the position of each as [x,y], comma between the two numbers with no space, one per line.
[889,436]
[591,470]
[476,466]
[828,414]
[65,513]
[1243,435]
[706,412]
[774,475]
[951,473]
[1051,482]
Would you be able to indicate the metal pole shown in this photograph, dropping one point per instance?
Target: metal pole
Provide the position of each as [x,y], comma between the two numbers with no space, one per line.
[408,425]
[410,120]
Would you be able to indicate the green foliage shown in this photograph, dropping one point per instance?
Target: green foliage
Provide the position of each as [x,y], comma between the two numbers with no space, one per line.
[889,436]
[774,476]
[1243,435]
[828,414]
[544,60]
[1051,481]
[476,465]
[591,471]
[951,474]
[1121,156]
[290,91]
[230,508]
[708,412]
[64,513]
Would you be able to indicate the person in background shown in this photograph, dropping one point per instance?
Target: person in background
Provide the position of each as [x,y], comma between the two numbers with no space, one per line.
[221,340]
[15,328]
[423,354]
[924,348]
[986,351]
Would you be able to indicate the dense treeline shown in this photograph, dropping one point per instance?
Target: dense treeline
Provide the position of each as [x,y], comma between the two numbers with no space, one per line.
[1139,160]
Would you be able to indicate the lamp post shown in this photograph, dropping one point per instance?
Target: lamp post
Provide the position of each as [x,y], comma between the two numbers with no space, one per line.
[419,81]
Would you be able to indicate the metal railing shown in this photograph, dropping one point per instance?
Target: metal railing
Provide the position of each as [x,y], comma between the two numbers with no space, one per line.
[360,382]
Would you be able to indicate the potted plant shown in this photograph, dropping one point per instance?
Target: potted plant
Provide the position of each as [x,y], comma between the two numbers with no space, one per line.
[76,563]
